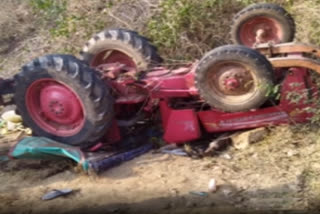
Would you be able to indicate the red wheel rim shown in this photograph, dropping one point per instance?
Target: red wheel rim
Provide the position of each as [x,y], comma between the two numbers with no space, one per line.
[112,56]
[269,28]
[231,81]
[55,108]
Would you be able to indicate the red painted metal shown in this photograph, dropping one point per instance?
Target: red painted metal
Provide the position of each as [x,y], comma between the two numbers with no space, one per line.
[260,30]
[96,147]
[232,83]
[230,78]
[113,134]
[112,56]
[286,112]
[180,125]
[55,107]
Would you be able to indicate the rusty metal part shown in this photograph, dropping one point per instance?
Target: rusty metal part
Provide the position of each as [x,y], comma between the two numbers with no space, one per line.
[292,55]
[231,79]
[296,61]
[287,48]
[261,29]
[114,70]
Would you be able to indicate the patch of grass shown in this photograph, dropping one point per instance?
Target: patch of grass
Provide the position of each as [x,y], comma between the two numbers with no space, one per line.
[52,13]
[49,8]
[63,21]
[307,17]
[66,26]
[186,29]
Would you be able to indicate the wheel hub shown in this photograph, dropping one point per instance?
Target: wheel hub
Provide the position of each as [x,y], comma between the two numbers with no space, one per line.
[55,107]
[59,104]
[231,84]
[260,30]
[233,80]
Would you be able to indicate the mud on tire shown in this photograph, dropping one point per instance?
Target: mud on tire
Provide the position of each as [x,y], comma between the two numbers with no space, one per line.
[120,45]
[61,98]
[234,78]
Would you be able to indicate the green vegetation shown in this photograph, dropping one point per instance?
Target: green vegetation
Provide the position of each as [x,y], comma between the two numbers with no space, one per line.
[184,29]
[62,21]
[54,14]
[49,8]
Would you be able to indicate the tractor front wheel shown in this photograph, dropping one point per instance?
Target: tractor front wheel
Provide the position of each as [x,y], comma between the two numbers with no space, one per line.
[61,98]
[234,78]
[262,23]
[120,46]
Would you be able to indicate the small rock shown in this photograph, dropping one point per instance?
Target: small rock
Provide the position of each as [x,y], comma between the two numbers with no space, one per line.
[255,155]
[291,153]
[175,192]
[212,187]
[244,139]
[183,180]
[218,144]
[162,175]
[226,156]
[227,192]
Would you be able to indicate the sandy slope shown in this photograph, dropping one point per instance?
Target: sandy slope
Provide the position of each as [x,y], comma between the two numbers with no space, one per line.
[269,175]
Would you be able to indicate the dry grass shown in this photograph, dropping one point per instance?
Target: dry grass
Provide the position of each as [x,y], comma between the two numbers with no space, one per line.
[307,17]
[181,32]
[28,33]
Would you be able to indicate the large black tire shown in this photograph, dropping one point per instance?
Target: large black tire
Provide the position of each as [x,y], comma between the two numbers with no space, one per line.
[269,14]
[84,82]
[136,47]
[219,69]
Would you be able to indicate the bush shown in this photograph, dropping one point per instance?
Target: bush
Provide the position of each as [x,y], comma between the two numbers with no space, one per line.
[186,29]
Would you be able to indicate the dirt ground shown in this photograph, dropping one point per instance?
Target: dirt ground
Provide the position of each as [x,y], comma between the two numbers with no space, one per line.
[272,175]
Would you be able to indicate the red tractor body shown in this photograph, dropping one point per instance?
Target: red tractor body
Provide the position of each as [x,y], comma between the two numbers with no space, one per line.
[119,82]
[165,88]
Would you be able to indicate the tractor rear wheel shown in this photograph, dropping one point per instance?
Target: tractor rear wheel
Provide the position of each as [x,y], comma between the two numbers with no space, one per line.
[122,46]
[61,98]
[234,78]
[262,23]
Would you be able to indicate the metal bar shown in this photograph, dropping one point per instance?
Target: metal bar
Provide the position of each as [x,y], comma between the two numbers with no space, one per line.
[295,61]
[285,48]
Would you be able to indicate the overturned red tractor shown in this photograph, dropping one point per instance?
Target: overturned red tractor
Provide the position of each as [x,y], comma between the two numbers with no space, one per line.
[120,82]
